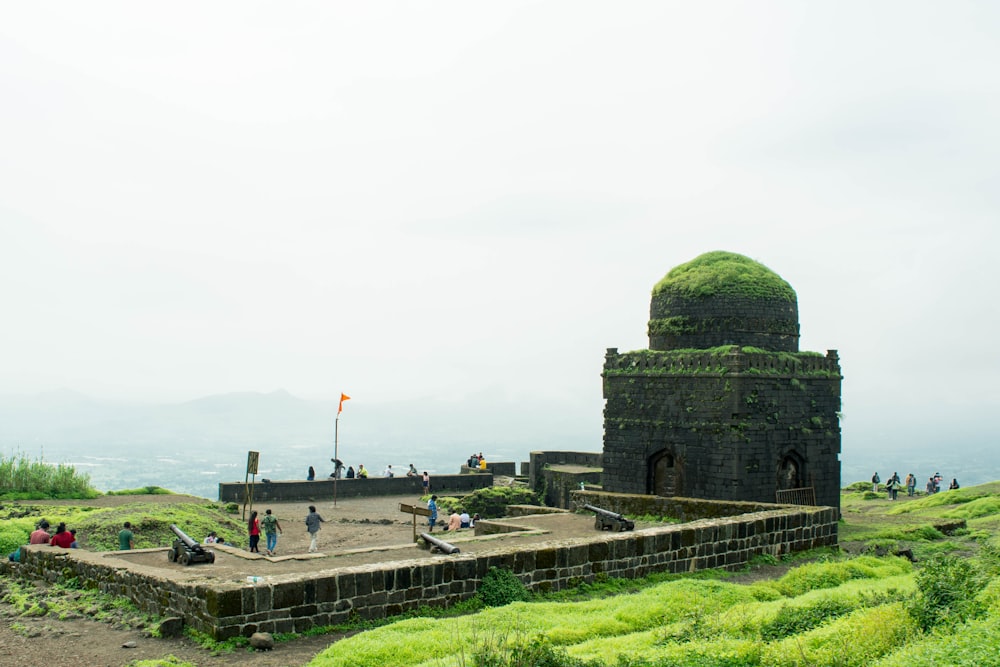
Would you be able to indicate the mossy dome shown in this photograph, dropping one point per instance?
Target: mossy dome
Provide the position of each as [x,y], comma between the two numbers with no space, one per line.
[722,298]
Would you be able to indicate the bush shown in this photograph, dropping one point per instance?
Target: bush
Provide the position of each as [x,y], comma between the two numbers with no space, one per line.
[500,587]
[791,620]
[492,501]
[947,588]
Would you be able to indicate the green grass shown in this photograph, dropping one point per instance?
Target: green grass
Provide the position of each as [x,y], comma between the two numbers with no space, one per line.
[24,479]
[724,273]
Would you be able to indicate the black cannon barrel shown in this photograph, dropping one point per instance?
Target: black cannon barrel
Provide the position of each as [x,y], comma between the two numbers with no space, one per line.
[183,537]
[440,545]
[604,512]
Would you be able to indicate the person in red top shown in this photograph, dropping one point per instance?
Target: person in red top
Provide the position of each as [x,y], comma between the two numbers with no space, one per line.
[63,538]
[254,527]
[41,534]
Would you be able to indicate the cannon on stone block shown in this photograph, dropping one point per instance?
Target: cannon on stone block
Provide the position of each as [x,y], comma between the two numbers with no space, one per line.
[434,544]
[186,551]
[608,520]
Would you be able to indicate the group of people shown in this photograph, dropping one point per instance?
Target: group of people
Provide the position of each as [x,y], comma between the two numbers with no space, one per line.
[477,461]
[362,473]
[271,527]
[456,521]
[62,537]
[894,484]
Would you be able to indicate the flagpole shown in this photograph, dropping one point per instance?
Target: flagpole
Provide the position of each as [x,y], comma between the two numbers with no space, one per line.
[336,455]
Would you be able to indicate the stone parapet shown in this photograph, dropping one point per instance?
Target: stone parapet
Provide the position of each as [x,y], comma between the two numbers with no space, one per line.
[298,602]
[285,490]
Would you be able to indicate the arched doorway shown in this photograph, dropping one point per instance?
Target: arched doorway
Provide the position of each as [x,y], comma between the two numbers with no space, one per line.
[791,473]
[665,474]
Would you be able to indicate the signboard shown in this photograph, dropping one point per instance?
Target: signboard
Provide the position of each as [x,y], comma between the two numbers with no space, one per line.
[252,459]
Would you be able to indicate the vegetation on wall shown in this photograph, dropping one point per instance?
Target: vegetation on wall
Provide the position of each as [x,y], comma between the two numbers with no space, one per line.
[724,273]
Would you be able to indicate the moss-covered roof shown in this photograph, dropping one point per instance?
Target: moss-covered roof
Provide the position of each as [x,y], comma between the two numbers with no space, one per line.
[724,273]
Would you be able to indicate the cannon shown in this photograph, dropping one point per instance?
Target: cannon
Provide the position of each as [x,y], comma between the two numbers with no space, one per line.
[608,520]
[434,544]
[186,551]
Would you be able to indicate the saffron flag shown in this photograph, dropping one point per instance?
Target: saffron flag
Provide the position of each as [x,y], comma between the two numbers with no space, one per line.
[343,397]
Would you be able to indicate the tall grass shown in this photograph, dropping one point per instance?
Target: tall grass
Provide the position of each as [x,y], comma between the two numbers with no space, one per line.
[24,479]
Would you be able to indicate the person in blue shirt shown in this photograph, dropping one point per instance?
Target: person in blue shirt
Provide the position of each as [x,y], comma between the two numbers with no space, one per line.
[433,507]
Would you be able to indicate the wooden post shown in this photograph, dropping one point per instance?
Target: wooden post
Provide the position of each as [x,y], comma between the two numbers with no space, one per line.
[415,511]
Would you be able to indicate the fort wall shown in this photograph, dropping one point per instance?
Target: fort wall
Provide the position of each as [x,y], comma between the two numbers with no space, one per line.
[299,602]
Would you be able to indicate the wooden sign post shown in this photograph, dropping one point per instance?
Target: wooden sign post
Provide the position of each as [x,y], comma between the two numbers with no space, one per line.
[415,511]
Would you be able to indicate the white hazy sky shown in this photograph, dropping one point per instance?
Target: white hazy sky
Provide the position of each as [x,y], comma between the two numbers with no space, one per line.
[428,199]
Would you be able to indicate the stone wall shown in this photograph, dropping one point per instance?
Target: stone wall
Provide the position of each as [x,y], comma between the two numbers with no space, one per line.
[555,474]
[323,489]
[296,603]
[732,425]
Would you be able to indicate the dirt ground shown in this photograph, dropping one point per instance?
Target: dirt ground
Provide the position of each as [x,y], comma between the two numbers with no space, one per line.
[356,531]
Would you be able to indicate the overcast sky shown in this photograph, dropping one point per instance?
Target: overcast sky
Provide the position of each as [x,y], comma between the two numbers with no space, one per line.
[415,200]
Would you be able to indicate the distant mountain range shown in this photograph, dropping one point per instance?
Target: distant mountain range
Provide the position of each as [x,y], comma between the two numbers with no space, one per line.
[65,418]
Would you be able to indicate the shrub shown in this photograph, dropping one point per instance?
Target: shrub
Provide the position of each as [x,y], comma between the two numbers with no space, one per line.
[791,620]
[492,501]
[500,587]
[947,588]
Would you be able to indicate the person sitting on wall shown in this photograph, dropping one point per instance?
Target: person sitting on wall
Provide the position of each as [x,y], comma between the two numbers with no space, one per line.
[63,538]
[473,461]
[40,534]
[311,475]
[475,518]
[482,462]
[388,471]
[350,472]
[362,472]
[412,472]
[74,544]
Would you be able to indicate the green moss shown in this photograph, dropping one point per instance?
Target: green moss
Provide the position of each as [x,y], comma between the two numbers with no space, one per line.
[724,273]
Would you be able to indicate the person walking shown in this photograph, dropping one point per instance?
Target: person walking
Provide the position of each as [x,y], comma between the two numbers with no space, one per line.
[126,539]
[313,520]
[271,527]
[253,527]
[875,482]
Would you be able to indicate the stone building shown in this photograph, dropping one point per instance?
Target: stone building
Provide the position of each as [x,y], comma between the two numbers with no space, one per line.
[723,405]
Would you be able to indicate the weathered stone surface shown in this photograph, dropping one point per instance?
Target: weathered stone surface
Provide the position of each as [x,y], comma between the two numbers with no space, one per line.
[262,641]
[172,626]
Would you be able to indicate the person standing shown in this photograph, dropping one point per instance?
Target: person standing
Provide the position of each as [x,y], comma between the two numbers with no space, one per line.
[253,527]
[875,482]
[432,519]
[426,482]
[271,527]
[911,484]
[313,519]
[126,539]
